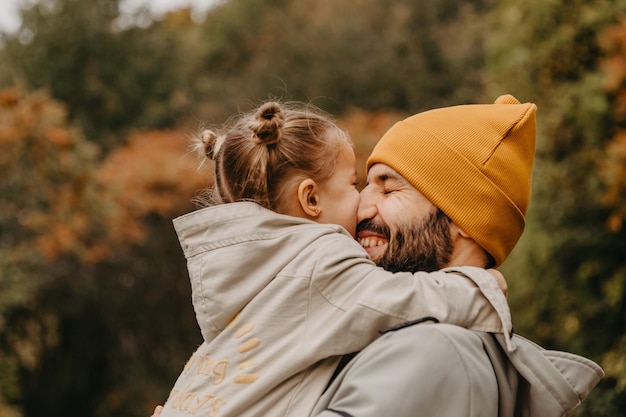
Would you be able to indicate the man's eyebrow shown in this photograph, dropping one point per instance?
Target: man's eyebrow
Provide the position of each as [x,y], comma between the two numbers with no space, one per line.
[388,176]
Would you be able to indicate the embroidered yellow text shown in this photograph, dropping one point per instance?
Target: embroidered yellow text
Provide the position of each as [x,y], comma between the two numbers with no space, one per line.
[206,365]
[192,402]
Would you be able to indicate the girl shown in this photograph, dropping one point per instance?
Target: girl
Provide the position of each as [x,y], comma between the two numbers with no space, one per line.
[280,287]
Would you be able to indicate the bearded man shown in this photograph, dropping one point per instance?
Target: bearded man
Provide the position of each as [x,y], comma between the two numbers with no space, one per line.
[450,187]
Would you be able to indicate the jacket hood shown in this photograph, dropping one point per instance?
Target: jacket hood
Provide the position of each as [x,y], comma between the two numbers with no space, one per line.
[556,382]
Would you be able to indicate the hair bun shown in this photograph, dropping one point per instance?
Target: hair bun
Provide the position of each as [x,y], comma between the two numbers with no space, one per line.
[209,141]
[269,121]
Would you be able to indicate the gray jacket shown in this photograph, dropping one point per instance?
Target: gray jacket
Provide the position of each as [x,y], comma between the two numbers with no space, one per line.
[448,371]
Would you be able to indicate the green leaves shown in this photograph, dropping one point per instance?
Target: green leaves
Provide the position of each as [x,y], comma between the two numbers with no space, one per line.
[571,258]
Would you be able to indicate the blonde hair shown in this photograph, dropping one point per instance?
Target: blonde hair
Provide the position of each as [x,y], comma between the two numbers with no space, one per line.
[267,151]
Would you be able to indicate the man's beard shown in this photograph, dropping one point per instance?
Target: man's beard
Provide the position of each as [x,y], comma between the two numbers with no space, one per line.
[424,246]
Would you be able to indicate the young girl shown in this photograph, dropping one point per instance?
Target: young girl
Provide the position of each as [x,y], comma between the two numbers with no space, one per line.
[280,287]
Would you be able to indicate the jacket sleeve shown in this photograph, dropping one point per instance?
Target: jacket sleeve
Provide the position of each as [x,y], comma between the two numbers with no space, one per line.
[426,370]
[348,291]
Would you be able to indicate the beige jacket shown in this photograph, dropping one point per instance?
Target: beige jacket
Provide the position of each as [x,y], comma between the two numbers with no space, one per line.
[278,299]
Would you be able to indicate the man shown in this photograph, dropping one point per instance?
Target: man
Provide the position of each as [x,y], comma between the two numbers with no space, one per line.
[450,187]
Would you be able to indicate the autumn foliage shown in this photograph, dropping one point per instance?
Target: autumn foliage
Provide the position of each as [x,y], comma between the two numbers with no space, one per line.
[97,109]
[154,173]
[613,166]
[46,175]
[64,208]
[67,201]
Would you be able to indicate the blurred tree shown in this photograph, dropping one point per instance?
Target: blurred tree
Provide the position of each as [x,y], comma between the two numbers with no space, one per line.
[366,128]
[44,184]
[613,41]
[136,294]
[567,281]
[419,55]
[89,262]
[116,72]
[111,80]
[613,171]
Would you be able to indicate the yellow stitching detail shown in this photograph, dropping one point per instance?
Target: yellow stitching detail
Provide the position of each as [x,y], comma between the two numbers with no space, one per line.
[215,406]
[185,402]
[244,347]
[247,364]
[204,367]
[245,378]
[219,372]
[200,403]
[244,330]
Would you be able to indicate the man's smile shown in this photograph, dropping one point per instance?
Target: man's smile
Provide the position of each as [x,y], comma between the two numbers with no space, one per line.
[373,237]
[373,241]
[374,244]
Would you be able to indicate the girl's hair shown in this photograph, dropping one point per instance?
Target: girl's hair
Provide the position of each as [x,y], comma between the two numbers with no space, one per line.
[268,151]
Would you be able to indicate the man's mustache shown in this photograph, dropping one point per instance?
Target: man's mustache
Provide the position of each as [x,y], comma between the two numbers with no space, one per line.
[370,226]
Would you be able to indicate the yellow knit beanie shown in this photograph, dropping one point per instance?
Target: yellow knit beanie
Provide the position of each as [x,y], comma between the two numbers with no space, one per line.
[474,162]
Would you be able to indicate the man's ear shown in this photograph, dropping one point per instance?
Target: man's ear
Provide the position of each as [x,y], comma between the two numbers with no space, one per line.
[462,233]
[455,228]
[308,197]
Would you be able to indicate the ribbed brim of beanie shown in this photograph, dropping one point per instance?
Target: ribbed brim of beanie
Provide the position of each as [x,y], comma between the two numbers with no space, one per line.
[474,162]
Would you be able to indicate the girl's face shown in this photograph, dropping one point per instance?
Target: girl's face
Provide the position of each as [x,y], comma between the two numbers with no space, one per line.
[339,197]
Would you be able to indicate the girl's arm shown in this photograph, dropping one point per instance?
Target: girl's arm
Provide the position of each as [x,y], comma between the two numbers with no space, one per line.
[348,291]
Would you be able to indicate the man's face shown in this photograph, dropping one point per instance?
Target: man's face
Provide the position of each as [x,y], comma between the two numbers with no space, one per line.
[399,228]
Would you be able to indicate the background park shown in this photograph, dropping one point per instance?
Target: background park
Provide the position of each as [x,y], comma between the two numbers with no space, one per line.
[97,104]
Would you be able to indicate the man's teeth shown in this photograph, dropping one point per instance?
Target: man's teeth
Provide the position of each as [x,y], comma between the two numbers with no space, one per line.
[371,242]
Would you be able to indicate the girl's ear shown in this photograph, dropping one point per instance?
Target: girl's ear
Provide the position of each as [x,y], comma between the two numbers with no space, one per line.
[308,197]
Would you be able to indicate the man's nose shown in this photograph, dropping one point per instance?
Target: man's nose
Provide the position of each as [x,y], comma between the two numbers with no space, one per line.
[367,207]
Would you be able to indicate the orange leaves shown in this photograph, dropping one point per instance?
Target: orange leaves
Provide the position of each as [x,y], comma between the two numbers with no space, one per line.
[613,166]
[22,115]
[57,199]
[153,173]
[45,165]
[614,172]
[57,136]
[613,41]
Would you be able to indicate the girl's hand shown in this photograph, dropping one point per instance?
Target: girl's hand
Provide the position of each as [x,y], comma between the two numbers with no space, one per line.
[158,409]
